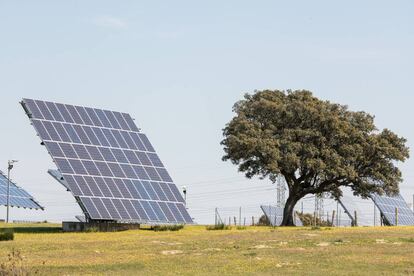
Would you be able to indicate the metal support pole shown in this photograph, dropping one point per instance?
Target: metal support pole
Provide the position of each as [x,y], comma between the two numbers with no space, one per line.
[9,168]
[396,216]
[8,193]
[337,213]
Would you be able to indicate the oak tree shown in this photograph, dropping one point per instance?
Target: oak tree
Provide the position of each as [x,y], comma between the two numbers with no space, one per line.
[315,145]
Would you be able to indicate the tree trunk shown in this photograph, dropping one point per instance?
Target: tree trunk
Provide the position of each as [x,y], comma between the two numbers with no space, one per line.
[288,211]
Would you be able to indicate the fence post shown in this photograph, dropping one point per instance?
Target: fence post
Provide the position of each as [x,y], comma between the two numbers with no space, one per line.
[252,221]
[235,221]
[240,216]
[356,218]
[333,217]
[396,216]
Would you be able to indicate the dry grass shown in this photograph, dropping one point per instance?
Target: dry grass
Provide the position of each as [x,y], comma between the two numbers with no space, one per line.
[194,250]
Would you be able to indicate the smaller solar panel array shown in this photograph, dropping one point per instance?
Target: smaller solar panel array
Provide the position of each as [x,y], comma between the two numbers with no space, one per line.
[388,205]
[18,196]
[275,215]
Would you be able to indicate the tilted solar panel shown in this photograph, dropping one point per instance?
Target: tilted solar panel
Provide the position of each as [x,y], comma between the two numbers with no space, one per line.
[388,205]
[107,163]
[275,215]
[18,196]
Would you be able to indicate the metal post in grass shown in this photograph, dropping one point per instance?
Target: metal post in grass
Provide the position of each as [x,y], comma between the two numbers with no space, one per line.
[339,218]
[337,213]
[396,216]
[356,218]
[9,168]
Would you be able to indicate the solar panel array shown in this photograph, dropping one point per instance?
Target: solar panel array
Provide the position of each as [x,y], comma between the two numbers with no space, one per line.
[107,163]
[387,206]
[18,196]
[275,215]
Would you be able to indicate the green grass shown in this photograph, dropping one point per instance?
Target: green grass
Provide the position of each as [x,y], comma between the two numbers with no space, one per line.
[194,250]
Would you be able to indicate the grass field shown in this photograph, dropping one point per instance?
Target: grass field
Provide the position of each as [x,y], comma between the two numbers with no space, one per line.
[194,250]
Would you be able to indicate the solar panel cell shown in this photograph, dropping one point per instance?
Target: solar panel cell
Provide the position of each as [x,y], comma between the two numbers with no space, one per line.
[121,209]
[45,111]
[55,112]
[33,109]
[140,210]
[72,133]
[51,131]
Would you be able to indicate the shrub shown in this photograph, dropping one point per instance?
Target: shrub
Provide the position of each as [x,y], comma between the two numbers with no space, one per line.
[309,220]
[92,230]
[6,235]
[220,226]
[263,221]
[160,228]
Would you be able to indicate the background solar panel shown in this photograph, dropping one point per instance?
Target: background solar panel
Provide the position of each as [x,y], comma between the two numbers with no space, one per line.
[387,206]
[107,163]
[275,215]
[18,196]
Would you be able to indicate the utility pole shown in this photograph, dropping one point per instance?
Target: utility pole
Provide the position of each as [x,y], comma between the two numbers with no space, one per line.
[9,168]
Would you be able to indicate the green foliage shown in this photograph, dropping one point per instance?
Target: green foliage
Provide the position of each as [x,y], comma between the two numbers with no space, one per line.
[220,226]
[6,235]
[241,228]
[316,146]
[161,228]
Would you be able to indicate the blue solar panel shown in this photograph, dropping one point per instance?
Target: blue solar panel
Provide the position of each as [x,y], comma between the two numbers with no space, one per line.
[390,206]
[275,215]
[107,163]
[18,197]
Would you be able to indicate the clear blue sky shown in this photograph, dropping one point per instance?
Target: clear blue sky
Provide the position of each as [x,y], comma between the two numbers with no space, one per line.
[178,67]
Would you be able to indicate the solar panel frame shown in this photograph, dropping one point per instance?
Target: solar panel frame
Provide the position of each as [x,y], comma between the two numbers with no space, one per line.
[106,160]
[387,206]
[18,197]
